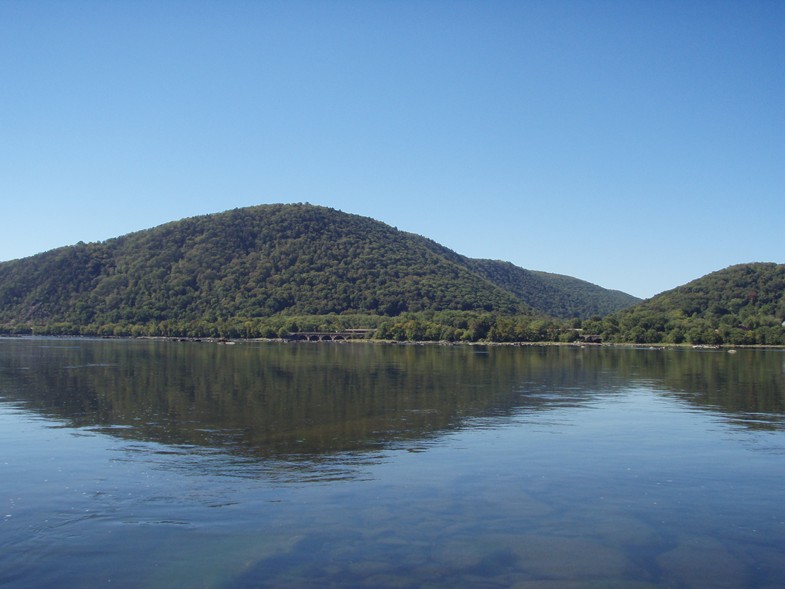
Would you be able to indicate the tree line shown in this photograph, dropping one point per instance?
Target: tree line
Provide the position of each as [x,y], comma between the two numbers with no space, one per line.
[446,326]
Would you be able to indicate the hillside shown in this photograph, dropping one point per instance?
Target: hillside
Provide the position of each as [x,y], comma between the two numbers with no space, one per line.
[554,294]
[742,304]
[260,262]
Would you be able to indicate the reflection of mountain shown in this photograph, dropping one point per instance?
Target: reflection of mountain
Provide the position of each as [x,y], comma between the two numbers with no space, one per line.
[748,387]
[274,400]
[304,400]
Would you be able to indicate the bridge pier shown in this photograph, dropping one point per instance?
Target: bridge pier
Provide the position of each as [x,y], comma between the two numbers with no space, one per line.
[327,336]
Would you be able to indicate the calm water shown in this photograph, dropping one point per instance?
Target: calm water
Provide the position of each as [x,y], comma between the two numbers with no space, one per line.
[154,464]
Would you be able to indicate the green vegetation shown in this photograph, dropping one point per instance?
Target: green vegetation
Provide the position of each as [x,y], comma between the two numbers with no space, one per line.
[555,295]
[270,270]
[256,272]
[741,305]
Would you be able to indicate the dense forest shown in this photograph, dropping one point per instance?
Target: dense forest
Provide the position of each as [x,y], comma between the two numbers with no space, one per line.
[272,270]
[740,305]
[257,271]
[555,295]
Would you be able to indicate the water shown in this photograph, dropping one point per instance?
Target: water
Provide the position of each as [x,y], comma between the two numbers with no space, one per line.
[159,464]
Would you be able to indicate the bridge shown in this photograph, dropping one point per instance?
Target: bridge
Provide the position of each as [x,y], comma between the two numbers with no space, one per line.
[327,336]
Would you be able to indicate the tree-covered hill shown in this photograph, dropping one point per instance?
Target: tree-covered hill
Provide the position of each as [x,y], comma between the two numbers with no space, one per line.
[260,262]
[554,294]
[742,304]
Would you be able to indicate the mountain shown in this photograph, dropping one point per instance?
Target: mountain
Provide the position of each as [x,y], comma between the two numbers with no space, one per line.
[742,304]
[554,294]
[275,259]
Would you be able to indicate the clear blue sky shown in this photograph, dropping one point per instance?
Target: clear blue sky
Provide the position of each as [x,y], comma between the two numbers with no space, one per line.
[634,144]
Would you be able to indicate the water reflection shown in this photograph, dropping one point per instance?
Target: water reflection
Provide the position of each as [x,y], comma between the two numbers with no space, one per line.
[153,464]
[296,403]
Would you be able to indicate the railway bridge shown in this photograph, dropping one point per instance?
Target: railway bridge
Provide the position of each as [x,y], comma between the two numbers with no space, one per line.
[327,336]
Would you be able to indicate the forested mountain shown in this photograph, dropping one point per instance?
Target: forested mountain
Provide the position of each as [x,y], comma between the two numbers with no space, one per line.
[742,304]
[274,260]
[554,294]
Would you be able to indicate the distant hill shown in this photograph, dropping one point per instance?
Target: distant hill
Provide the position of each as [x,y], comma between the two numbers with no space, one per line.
[271,260]
[742,304]
[554,294]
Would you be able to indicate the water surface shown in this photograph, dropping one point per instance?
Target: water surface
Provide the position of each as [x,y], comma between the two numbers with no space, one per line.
[162,464]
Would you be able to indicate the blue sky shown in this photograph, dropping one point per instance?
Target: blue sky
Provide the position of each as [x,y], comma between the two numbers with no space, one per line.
[637,145]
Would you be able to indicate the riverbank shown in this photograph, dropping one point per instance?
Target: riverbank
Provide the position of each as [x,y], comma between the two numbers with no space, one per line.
[372,341]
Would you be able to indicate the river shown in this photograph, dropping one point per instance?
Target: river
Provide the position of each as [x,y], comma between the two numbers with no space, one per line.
[135,464]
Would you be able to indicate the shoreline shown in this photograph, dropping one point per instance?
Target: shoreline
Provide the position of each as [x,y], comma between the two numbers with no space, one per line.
[491,344]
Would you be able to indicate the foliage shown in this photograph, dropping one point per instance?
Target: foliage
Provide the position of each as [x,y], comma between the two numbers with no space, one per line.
[245,265]
[554,294]
[435,326]
[740,305]
[270,270]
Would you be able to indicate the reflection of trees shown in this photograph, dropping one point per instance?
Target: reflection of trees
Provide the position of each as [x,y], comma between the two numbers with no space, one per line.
[268,400]
[304,400]
[748,385]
